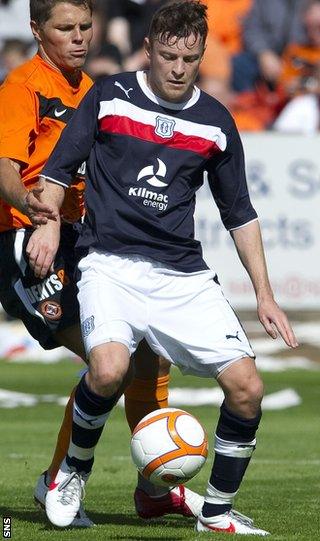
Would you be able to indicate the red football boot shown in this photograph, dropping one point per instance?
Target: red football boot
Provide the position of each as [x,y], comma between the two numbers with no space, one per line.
[179,501]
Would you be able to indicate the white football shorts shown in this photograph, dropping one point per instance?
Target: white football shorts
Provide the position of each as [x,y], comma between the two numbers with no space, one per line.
[184,317]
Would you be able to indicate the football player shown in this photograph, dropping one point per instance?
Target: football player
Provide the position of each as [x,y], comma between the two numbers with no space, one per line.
[148,137]
[37,101]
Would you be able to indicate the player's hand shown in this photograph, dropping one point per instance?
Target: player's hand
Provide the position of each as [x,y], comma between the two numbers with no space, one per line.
[276,322]
[42,248]
[38,212]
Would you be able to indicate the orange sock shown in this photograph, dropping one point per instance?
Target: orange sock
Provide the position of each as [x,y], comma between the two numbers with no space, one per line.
[63,440]
[144,396]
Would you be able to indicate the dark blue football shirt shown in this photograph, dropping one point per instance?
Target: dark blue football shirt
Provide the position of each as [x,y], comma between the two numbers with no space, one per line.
[146,159]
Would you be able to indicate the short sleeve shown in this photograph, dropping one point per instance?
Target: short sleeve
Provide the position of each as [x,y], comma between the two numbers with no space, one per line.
[228,184]
[19,121]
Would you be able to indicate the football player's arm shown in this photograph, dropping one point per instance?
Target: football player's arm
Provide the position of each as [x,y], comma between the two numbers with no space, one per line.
[72,149]
[249,246]
[44,241]
[18,121]
[228,184]
[13,192]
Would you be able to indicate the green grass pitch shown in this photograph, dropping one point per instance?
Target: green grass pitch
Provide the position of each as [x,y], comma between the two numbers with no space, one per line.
[281,489]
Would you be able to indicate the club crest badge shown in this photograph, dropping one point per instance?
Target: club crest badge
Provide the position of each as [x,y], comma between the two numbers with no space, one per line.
[164,127]
[87,326]
[51,310]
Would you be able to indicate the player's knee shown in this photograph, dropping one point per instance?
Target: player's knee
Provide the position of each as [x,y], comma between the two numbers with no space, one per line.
[247,397]
[108,368]
[254,392]
[105,381]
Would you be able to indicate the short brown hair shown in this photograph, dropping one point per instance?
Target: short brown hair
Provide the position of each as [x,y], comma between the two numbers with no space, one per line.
[40,10]
[179,19]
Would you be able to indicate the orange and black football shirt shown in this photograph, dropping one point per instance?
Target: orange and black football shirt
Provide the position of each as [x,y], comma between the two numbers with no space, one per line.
[36,102]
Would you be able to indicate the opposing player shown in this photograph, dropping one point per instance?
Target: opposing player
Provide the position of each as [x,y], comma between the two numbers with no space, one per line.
[36,102]
[148,137]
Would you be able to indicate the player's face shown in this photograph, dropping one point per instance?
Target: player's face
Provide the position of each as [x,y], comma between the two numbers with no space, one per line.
[64,39]
[174,67]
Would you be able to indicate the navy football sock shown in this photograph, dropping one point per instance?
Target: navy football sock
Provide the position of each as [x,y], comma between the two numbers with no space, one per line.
[234,445]
[90,412]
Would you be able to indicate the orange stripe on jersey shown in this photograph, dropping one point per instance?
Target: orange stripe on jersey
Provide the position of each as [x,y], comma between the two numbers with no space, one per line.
[36,102]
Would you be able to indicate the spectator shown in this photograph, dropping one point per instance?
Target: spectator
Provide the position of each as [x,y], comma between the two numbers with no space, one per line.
[128,24]
[14,52]
[104,58]
[119,30]
[269,27]
[299,82]
[225,21]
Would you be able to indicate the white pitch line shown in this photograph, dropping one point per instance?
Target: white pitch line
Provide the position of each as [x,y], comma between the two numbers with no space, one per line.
[211,396]
[287,398]
[11,399]
[279,364]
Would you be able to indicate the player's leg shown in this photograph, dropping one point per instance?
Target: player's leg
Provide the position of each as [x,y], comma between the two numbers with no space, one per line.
[235,441]
[70,338]
[147,392]
[64,331]
[213,348]
[109,341]
[49,310]
[95,396]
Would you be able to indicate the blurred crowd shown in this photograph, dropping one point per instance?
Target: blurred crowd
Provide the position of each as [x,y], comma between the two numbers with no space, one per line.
[262,58]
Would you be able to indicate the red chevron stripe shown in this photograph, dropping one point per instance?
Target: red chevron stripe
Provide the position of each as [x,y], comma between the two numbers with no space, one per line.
[126,126]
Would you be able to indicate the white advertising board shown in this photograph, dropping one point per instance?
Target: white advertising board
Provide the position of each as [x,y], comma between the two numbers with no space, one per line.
[283,175]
